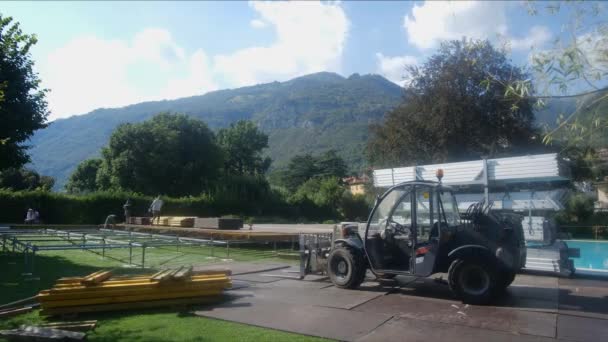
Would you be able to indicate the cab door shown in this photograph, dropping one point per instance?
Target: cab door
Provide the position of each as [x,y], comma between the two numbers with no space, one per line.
[428,226]
[390,234]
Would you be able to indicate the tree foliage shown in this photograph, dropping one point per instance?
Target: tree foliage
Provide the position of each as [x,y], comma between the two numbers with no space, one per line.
[84,178]
[23,108]
[17,179]
[574,67]
[301,168]
[451,111]
[243,144]
[170,154]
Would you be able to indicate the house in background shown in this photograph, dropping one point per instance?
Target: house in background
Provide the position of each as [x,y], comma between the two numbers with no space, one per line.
[601,204]
[356,185]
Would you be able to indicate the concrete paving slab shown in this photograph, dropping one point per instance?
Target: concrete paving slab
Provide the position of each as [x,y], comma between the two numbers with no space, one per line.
[411,330]
[531,293]
[313,293]
[450,312]
[529,298]
[583,297]
[581,329]
[255,277]
[295,284]
[427,288]
[243,267]
[343,325]
[294,271]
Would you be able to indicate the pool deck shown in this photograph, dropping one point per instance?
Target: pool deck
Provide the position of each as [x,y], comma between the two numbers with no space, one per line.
[535,308]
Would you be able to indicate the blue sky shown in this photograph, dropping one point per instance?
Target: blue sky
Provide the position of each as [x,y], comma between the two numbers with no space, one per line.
[108,54]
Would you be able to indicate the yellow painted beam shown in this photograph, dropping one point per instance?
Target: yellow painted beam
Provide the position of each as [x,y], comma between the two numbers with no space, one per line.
[131,306]
[97,278]
[134,298]
[43,297]
[144,282]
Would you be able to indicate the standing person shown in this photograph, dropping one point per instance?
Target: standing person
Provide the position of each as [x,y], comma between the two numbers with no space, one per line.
[29,217]
[155,207]
[127,208]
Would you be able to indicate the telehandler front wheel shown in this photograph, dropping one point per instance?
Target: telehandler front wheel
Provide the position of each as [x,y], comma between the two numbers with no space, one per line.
[346,267]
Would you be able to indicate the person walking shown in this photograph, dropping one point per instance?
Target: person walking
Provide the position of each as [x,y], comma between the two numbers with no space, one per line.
[155,208]
[127,209]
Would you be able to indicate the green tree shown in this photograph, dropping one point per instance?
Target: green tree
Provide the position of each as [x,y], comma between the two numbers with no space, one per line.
[451,112]
[574,68]
[243,144]
[84,178]
[301,168]
[17,179]
[329,164]
[23,108]
[170,154]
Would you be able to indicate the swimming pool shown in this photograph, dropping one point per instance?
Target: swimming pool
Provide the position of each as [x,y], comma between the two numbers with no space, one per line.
[594,256]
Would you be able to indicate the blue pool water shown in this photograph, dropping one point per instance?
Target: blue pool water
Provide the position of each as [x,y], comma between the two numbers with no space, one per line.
[594,255]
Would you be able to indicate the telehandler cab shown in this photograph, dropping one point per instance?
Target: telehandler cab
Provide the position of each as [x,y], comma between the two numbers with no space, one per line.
[415,229]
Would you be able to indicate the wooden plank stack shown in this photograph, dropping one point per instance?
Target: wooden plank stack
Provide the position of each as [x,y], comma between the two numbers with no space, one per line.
[180,221]
[102,292]
[139,220]
[223,223]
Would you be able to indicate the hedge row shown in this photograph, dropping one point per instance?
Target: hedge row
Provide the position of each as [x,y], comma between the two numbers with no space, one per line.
[59,208]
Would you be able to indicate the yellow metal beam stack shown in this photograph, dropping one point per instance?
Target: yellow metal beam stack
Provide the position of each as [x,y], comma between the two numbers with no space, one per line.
[101,292]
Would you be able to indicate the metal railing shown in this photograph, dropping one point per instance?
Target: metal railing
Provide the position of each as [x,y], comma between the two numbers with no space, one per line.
[598,232]
[141,249]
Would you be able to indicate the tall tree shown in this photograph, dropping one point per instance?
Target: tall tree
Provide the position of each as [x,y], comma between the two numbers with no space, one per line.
[574,67]
[84,178]
[17,179]
[570,79]
[169,154]
[301,168]
[243,144]
[23,108]
[330,164]
[451,112]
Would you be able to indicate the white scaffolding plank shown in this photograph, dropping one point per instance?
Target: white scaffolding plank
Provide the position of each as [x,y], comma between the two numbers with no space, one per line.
[531,168]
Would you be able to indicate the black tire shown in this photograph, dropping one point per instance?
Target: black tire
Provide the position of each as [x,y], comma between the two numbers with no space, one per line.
[505,279]
[472,280]
[346,267]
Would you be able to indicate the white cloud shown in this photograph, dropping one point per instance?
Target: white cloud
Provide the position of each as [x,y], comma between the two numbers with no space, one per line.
[257,23]
[198,79]
[434,21]
[90,72]
[393,68]
[310,37]
[536,37]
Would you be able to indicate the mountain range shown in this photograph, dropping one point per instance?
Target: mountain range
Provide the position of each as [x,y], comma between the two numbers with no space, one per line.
[308,114]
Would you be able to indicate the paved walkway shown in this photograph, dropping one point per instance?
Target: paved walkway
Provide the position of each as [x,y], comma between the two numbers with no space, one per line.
[536,308]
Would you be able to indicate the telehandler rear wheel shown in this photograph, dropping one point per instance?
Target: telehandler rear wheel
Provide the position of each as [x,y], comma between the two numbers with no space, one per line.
[346,267]
[473,280]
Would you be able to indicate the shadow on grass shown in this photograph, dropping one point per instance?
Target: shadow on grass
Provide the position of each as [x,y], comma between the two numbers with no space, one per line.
[14,285]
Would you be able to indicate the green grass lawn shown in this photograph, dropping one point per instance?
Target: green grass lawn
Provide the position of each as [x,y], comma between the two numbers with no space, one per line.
[143,325]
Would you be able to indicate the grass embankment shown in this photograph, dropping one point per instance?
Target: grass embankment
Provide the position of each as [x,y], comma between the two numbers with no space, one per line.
[141,325]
